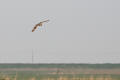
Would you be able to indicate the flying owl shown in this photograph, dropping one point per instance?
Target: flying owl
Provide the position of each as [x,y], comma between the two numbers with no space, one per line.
[39,24]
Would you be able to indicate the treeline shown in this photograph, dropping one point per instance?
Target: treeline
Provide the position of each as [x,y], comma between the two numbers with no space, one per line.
[94,66]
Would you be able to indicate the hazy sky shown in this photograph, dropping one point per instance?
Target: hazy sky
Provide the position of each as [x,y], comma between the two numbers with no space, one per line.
[79,31]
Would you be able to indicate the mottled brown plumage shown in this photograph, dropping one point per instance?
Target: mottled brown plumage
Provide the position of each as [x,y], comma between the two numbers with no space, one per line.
[39,24]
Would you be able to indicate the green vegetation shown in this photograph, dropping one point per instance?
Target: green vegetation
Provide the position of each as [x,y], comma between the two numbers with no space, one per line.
[59,71]
[94,66]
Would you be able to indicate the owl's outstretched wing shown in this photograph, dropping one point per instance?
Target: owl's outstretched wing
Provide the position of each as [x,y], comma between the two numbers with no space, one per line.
[35,27]
[46,21]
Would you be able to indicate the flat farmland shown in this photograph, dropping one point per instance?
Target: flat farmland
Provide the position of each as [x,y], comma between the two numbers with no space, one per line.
[59,71]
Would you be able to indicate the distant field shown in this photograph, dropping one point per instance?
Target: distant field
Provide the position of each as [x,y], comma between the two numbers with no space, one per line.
[59,71]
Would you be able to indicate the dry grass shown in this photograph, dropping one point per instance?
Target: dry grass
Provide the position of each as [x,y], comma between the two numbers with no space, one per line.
[83,78]
[65,78]
[59,77]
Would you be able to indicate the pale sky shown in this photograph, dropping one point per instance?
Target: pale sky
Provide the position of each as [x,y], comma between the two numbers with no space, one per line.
[79,31]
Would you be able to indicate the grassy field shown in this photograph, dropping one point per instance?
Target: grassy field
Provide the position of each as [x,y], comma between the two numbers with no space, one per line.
[59,71]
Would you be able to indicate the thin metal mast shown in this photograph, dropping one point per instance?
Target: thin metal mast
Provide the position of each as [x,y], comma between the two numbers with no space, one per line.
[32,56]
